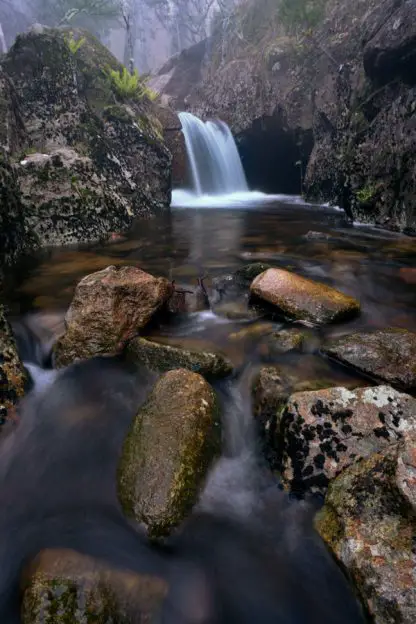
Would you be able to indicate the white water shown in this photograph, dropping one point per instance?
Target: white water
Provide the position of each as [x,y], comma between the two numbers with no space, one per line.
[214,161]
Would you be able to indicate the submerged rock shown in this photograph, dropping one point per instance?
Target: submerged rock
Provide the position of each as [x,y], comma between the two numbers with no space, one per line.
[371,526]
[108,308]
[304,299]
[386,354]
[284,341]
[163,357]
[64,586]
[325,431]
[168,451]
[12,373]
[235,286]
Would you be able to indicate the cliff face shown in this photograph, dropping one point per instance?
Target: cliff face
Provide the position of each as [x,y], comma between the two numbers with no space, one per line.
[89,157]
[338,102]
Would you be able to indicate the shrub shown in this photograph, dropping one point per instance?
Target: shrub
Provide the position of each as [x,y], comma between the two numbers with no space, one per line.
[296,15]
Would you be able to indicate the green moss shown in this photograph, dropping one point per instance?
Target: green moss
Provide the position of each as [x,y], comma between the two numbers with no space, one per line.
[366,194]
[168,451]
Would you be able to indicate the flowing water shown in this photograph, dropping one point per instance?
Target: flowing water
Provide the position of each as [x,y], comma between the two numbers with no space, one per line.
[374,266]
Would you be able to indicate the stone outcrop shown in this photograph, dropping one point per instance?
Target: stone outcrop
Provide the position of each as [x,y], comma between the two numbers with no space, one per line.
[93,157]
[388,355]
[168,451]
[108,309]
[300,298]
[336,103]
[323,432]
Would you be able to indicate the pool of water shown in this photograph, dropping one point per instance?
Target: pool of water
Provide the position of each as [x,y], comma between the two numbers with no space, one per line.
[375,266]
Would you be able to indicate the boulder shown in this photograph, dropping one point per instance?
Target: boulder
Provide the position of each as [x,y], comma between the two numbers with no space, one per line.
[14,237]
[370,526]
[93,158]
[109,307]
[301,298]
[168,451]
[12,373]
[325,431]
[80,589]
[162,357]
[386,354]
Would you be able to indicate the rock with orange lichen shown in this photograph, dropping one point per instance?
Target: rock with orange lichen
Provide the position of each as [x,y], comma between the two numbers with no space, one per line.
[12,373]
[64,587]
[109,307]
[301,298]
[369,521]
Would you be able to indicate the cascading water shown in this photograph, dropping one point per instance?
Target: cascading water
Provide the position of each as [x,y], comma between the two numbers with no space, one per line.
[216,174]
[213,157]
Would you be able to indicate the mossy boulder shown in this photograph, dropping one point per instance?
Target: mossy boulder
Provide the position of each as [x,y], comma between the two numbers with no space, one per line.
[12,373]
[323,432]
[63,587]
[108,308]
[168,451]
[92,160]
[371,526]
[14,237]
[301,298]
[163,357]
[386,354]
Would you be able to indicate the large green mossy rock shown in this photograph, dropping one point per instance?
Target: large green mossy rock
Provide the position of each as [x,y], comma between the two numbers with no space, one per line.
[168,451]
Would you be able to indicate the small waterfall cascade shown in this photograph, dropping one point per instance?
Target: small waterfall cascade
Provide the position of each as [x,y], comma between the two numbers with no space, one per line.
[214,161]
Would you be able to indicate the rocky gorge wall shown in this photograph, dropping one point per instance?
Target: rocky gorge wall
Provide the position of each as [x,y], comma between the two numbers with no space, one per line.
[331,111]
[78,158]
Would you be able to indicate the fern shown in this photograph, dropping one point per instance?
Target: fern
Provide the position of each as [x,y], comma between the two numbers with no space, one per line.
[74,45]
[130,86]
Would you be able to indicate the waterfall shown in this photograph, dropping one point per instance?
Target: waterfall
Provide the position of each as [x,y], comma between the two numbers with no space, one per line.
[214,161]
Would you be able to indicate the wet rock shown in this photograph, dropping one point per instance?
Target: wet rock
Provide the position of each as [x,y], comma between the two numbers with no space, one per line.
[168,451]
[386,354]
[370,526]
[65,586]
[12,373]
[270,392]
[108,308]
[284,341]
[175,142]
[301,298]
[323,432]
[235,285]
[91,160]
[163,357]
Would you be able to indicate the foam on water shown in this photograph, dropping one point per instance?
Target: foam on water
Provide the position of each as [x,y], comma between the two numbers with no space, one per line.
[188,199]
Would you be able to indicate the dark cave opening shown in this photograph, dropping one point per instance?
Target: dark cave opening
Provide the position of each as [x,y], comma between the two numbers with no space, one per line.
[275,157]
